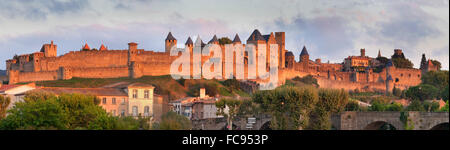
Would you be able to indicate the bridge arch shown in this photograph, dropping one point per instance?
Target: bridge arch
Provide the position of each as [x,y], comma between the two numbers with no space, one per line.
[266,126]
[225,127]
[380,125]
[441,126]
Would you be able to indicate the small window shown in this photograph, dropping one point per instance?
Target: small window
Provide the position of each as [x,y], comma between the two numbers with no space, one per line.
[146,111]
[123,101]
[146,94]
[104,101]
[114,101]
[122,113]
[135,111]
[135,93]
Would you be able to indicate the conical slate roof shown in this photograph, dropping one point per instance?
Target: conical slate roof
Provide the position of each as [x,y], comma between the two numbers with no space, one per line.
[289,54]
[170,37]
[236,39]
[214,39]
[189,41]
[304,51]
[256,36]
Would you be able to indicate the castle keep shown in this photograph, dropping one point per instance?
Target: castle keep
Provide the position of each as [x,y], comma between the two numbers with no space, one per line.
[355,72]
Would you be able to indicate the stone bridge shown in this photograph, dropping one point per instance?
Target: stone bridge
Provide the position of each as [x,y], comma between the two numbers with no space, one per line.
[262,122]
[346,121]
[375,120]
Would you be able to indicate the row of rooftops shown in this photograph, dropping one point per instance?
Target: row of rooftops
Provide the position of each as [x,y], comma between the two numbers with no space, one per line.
[102,47]
[255,36]
[113,90]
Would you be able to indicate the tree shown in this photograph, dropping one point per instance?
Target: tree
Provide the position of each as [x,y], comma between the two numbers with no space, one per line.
[431,106]
[397,92]
[330,101]
[174,121]
[67,111]
[232,84]
[394,107]
[438,79]
[232,105]
[249,108]
[445,93]
[445,108]
[415,105]
[4,103]
[422,92]
[46,114]
[402,62]
[352,105]
[377,106]
[289,106]
[382,64]
[224,40]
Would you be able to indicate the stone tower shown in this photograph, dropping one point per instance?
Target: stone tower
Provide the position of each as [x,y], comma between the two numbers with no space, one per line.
[280,38]
[214,40]
[132,51]
[49,50]
[363,52]
[389,80]
[236,39]
[170,42]
[190,48]
[304,56]
[289,60]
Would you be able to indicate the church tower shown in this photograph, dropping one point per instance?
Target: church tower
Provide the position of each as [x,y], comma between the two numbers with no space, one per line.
[170,42]
[304,56]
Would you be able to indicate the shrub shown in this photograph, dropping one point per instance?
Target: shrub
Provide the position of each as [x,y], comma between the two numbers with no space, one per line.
[352,105]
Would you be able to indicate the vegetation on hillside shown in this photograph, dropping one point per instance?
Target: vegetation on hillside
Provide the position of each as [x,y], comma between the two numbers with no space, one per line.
[402,63]
[434,86]
[308,80]
[173,121]
[165,85]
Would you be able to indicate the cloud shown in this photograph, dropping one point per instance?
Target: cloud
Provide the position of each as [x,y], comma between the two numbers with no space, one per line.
[331,30]
[323,36]
[38,10]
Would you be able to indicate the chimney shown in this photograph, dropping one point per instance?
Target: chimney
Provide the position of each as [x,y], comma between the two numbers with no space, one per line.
[363,52]
[202,93]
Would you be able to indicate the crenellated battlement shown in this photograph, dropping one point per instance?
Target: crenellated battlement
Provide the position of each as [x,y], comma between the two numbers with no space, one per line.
[353,72]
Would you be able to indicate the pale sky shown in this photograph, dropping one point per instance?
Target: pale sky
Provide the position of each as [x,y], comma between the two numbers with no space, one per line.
[330,29]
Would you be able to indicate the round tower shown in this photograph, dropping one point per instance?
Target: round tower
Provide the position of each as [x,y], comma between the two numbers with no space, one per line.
[389,80]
